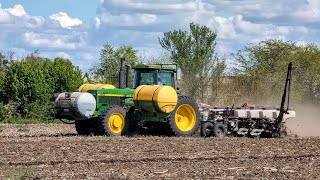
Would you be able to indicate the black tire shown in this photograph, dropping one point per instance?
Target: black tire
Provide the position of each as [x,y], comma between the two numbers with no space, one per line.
[131,126]
[184,102]
[107,118]
[206,129]
[265,135]
[219,130]
[84,127]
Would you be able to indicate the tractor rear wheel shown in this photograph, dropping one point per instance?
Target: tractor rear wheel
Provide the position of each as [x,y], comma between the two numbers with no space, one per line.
[185,118]
[112,122]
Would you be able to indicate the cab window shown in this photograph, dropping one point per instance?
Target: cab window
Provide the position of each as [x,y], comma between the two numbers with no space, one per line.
[144,78]
[165,78]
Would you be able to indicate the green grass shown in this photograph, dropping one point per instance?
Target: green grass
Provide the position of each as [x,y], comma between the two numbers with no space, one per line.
[30,121]
[22,128]
[187,147]
[18,173]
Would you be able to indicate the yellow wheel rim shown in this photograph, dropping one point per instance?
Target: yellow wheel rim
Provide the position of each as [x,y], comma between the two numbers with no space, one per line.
[116,122]
[185,117]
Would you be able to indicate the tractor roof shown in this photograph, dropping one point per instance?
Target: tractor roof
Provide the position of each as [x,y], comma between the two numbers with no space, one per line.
[168,67]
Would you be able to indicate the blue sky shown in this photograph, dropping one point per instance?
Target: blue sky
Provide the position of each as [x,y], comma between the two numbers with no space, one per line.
[82,9]
[77,29]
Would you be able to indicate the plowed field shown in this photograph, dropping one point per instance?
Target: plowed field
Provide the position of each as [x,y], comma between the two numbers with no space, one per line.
[56,152]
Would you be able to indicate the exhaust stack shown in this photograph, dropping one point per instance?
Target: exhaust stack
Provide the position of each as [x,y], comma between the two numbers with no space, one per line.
[127,75]
[121,73]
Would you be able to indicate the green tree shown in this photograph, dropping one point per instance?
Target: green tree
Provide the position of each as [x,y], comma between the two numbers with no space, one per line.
[3,63]
[307,74]
[64,75]
[194,53]
[260,69]
[31,83]
[107,71]
[261,72]
[5,59]
[26,84]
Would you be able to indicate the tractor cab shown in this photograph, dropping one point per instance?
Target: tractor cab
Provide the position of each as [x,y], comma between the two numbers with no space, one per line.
[163,74]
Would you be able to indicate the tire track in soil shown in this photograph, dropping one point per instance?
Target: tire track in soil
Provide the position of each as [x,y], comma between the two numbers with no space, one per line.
[41,135]
[162,159]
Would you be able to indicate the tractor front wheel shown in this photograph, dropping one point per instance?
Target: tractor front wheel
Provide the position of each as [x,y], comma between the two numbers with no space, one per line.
[113,122]
[84,127]
[184,119]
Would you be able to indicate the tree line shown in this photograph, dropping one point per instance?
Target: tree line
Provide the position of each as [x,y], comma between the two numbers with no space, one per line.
[260,72]
[27,86]
[257,73]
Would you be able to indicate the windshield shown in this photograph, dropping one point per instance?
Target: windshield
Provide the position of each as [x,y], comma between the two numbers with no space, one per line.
[144,78]
[165,78]
[147,77]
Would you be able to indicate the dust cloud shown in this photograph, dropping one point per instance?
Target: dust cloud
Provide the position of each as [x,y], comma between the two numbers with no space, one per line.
[307,122]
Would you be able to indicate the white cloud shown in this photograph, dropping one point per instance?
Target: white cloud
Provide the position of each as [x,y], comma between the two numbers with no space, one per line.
[309,12]
[148,18]
[65,21]
[63,55]
[128,19]
[147,6]
[246,26]
[17,10]
[17,17]
[33,22]
[49,41]
[4,17]
[87,56]
[301,43]
[224,26]
[97,22]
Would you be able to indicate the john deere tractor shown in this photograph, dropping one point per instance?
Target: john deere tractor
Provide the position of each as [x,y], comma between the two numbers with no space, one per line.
[153,104]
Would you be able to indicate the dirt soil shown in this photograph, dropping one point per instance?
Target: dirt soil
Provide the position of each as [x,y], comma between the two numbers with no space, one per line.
[56,152]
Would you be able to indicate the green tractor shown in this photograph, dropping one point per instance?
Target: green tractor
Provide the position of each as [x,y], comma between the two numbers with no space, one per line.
[153,104]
